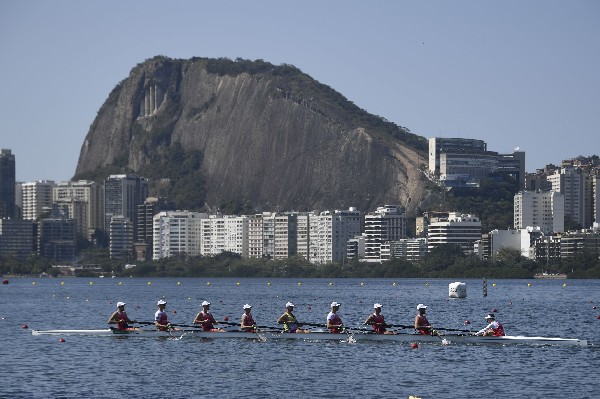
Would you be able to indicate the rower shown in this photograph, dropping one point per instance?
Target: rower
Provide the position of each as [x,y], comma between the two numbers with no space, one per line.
[120,318]
[289,321]
[248,324]
[493,328]
[421,323]
[334,322]
[206,319]
[376,320]
[160,317]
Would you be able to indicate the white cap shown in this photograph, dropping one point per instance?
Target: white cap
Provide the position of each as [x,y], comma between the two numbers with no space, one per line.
[377,305]
[421,306]
[161,302]
[289,304]
[335,304]
[205,303]
[119,304]
[490,316]
[246,306]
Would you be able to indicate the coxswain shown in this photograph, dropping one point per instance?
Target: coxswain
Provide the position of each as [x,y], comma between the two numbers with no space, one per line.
[248,324]
[160,317]
[289,321]
[334,322]
[421,323]
[376,320]
[493,328]
[120,318]
[206,319]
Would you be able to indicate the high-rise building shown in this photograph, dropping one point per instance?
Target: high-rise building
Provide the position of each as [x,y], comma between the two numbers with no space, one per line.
[221,233]
[576,187]
[122,195]
[92,194]
[121,238]
[145,221]
[539,209]
[7,184]
[56,239]
[176,232]
[387,223]
[330,233]
[16,237]
[463,230]
[37,198]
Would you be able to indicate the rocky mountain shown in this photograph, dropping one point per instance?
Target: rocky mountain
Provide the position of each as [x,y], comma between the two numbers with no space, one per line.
[209,131]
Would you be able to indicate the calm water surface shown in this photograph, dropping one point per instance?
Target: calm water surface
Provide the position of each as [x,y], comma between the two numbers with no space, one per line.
[116,367]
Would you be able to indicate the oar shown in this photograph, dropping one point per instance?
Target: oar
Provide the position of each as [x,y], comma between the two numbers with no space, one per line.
[143,322]
[453,329]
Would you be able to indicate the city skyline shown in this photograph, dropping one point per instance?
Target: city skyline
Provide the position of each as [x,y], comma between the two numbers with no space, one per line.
[512,74]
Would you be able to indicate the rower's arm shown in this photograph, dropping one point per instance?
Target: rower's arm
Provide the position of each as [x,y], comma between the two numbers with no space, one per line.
[197,319]
[282,319]
[113,319]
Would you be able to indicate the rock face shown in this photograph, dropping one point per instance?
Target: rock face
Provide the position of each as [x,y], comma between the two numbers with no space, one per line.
[270,136]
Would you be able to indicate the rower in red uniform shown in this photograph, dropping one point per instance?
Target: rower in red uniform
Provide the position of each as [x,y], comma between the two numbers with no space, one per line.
[334,321]
[376,320]
[206,319]
[494,328]
[248,324]
[421,323]
[160,317]
[120,318]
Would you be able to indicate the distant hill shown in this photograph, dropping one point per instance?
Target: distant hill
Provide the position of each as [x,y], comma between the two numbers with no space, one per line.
[215,131]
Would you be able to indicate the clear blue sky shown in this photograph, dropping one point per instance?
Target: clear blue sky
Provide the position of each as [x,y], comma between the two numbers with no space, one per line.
[512,73]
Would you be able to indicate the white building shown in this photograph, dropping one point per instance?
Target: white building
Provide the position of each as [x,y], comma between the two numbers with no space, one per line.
[37,198]
[387,223]
[176,232]
[329,234]
[539,209]
[576,187]
[221,233]
[463,230]
[91,193]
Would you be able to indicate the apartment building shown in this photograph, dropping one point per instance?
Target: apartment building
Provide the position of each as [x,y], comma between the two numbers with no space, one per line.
[37,198]
[411,249]
[7,184]
[122,195]
[121,238]
[539,209]
[219,233]
[460,229]
[330,232]
[92,194]
[16,237]
[176,232]
[576,187]
[387,223]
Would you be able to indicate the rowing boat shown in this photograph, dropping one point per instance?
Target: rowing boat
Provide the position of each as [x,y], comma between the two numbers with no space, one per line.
[317,336]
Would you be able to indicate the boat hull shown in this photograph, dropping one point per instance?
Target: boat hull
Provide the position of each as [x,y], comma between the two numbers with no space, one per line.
[319,336]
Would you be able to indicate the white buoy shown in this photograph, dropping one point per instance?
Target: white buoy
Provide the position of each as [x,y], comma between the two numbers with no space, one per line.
[457,290]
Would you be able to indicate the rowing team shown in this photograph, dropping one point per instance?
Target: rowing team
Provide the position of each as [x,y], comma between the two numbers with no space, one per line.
[290,323]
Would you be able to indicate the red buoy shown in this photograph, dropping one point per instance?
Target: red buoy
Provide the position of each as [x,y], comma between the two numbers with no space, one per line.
[174,311]
[24,326]
[414,345]
[494,310]
[226,318]
[598,317]
[593,307]
[4,281]
[467,321]
[61,340]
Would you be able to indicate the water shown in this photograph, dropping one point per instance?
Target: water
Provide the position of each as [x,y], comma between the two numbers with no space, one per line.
[116,367]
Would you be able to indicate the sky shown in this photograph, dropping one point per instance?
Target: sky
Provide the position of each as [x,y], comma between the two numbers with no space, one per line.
[512,73]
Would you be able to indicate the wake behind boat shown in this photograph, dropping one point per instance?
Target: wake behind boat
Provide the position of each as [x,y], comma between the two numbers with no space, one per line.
[318,336]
